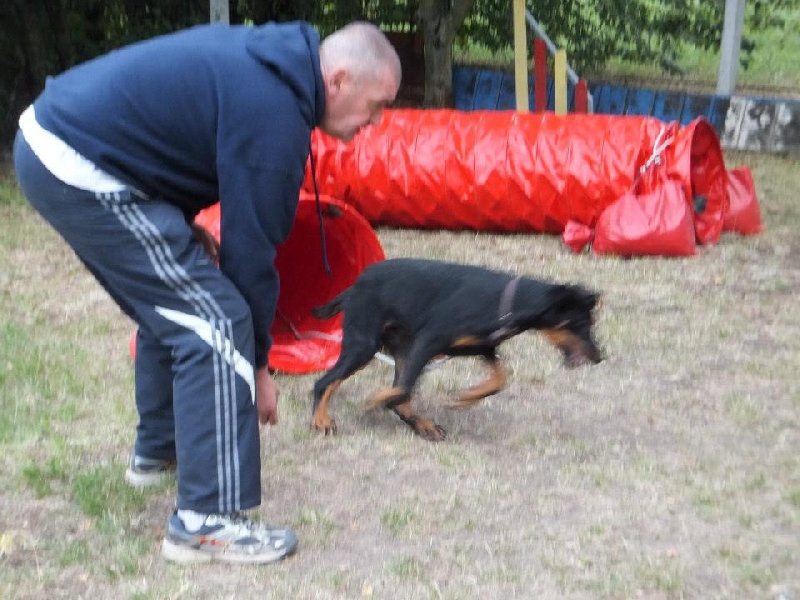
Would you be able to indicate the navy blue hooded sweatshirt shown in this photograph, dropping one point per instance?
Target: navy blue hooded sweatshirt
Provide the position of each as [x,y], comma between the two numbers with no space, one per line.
[206,114]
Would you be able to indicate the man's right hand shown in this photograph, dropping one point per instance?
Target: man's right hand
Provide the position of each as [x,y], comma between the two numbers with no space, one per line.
[266,397]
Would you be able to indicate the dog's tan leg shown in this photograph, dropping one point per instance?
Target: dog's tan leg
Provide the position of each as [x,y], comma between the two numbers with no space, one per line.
[383,398]
[496,382]
[320,420]
[424,427]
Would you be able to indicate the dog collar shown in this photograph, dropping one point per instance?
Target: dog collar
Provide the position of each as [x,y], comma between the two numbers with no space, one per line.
[506,311]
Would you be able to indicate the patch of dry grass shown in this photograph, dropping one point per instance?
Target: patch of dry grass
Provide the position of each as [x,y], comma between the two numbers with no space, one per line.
[670,470]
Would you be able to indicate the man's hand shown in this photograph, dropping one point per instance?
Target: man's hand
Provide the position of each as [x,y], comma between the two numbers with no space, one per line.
[266,397]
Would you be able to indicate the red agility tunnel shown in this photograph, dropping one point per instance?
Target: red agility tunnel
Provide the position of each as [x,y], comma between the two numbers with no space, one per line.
[301,343]
[510,172]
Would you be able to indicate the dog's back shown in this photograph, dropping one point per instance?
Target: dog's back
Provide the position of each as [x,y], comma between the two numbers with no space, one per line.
[408,290]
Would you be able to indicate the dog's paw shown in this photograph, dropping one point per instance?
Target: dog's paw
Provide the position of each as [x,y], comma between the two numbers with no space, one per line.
[430,431]
[326,426]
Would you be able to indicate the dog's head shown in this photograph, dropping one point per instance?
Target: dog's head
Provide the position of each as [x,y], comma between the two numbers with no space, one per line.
[568,323]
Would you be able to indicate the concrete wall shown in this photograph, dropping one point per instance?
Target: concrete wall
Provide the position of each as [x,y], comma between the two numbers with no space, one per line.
[744,123]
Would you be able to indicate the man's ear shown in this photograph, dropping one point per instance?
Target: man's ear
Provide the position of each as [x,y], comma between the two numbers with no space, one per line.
[336,80]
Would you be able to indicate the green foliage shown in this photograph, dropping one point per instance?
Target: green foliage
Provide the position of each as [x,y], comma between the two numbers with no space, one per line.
[126,21]
[644,31]
[328,16]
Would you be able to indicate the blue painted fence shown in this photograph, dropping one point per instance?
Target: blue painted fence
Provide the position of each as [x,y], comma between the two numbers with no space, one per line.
[745,123]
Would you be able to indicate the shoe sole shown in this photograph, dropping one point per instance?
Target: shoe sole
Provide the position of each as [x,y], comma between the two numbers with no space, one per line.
[181,553]
[143,480]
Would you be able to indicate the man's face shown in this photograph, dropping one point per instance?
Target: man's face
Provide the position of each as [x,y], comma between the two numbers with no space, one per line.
[352,103]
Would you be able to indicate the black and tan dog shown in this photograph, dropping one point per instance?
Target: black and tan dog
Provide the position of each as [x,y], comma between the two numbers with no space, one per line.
[418,309]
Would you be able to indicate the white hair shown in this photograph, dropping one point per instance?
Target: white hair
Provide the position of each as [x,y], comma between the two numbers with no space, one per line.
[362,49]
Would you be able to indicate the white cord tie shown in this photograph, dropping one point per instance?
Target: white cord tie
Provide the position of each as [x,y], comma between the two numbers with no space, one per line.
[658,149]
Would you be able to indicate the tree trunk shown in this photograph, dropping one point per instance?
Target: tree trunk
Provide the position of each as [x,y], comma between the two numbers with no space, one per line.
[439,21]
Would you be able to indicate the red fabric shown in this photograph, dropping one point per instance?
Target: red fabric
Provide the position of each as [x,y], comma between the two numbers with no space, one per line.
[743,215]
[301,343]
[695,160]
[510,172]
[351,245]
[655,223]
[577,235]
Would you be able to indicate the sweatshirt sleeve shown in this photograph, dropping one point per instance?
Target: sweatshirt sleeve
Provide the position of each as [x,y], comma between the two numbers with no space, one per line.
[260,172]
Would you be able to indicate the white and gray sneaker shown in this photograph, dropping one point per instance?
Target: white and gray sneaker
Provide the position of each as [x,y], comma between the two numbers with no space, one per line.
[143,472]
[227,538]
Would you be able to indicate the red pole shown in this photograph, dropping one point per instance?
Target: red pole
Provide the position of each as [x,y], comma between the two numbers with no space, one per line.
[581,97]
[540,75]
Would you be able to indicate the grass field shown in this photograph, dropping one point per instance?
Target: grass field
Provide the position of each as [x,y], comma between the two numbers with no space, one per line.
[669,471]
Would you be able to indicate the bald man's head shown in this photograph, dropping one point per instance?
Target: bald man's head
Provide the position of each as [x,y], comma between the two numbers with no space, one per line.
[362,74]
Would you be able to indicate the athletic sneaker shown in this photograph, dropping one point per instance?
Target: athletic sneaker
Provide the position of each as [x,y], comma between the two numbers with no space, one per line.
[227,538]
[144,472]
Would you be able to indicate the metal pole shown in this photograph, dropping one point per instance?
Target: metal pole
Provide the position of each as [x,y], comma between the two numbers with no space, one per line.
[730,47]
[520,58]
[220,11]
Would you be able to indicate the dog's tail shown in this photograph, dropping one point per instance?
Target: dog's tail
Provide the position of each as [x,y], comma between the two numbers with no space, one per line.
[326,311]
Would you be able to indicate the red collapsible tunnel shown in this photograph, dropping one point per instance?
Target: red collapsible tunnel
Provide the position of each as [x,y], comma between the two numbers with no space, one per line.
[535,172]
[301,343]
